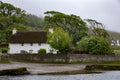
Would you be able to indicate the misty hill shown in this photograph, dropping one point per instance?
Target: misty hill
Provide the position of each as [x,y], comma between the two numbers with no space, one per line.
[114,35]
[35,22]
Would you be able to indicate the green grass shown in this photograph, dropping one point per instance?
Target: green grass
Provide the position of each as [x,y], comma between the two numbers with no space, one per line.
[96,63]
[102,67]
[1,54]
[17,71]
[4,62]
[117,52]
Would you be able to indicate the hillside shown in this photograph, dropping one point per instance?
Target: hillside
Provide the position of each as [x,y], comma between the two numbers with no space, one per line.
[114,35]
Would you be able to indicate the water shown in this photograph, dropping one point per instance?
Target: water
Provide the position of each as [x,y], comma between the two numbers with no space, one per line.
[111,75]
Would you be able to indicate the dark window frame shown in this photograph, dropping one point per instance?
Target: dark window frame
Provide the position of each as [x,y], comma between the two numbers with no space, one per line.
[31,44]
[22,44]
[39,44]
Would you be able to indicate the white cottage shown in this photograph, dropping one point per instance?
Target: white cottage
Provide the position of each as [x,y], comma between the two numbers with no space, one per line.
[28,41]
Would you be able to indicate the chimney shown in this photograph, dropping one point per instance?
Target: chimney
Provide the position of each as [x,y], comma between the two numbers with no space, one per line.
[51,30]
[14,31]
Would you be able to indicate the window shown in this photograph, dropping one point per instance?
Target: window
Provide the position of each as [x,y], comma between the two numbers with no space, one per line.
[31,51]
[22,44]
[39,44]
[31,44]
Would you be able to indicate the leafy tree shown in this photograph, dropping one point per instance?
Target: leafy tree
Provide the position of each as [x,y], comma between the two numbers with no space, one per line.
[9,16]
[75,26]
[97,28]
[59,39]
[94,45]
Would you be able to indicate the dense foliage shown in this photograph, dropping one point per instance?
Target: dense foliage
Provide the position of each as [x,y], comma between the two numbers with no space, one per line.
[94,45]
[59,39]
[96,28]
[75,26]
[10,16]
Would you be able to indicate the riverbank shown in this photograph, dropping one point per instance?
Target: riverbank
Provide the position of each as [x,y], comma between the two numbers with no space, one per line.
[62,69]
[39,68]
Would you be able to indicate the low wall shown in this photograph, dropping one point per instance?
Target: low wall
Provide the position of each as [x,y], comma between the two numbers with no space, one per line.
[60,58]
[93,58]
[4,58]
[39,57]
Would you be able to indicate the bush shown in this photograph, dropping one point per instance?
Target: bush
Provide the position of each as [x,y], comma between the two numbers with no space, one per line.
[42,51]
[94,45]
[4,50]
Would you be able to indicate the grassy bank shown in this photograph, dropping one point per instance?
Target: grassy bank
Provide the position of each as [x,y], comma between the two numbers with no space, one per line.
[102,67]
[17,71]
[117,52]
[4,62]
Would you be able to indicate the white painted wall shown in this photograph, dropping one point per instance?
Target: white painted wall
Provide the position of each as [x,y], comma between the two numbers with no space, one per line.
[16,48]
[115,42]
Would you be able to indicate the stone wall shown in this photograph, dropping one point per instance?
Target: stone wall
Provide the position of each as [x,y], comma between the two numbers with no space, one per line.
[93,58]
[39,57]
[60,58]
[4,58]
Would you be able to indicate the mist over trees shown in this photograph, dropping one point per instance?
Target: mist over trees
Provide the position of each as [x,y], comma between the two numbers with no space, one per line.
[34,22]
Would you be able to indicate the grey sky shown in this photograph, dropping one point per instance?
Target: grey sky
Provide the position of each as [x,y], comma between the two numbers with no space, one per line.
[105,11]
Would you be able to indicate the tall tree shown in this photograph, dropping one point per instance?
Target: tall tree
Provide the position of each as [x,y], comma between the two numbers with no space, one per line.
[97,28]
[9,17]
[75,26]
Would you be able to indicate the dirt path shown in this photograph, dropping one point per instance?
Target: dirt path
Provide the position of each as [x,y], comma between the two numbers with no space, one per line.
[38,68]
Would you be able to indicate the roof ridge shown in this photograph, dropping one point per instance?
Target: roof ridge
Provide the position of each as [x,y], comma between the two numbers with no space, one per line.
[33,31]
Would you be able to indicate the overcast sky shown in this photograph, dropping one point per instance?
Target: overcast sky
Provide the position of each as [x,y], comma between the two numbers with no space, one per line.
[104,11]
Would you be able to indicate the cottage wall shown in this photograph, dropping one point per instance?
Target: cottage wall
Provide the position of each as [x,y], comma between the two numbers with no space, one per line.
[32,48]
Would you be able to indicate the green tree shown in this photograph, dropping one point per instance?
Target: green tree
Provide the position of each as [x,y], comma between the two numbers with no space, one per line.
[9,16]
[97,28]
[94,45]
[75,26]
[59,39]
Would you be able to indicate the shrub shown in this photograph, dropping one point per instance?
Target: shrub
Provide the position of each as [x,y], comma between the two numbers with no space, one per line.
[42,51]
[94,45]
[4,50]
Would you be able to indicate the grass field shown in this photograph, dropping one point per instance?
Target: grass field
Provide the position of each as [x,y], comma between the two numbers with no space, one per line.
[117,52]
